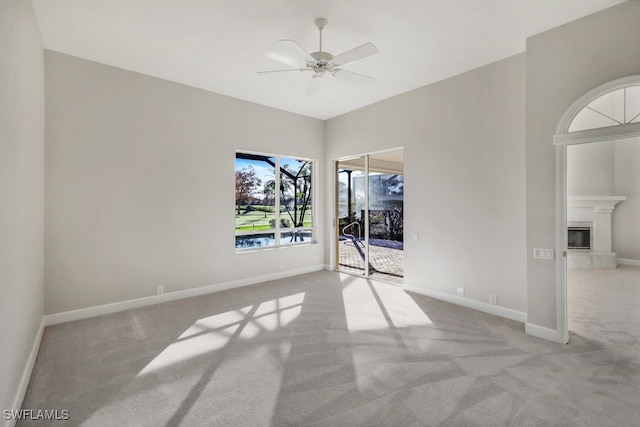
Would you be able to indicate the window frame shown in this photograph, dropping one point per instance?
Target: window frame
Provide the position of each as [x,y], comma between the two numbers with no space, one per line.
[277,231]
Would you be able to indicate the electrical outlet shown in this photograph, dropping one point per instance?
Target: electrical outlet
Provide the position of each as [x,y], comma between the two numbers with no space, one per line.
[493,299]
[160,290]
[460,292]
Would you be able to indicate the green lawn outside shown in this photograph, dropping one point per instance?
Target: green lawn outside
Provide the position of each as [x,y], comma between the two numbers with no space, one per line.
[256,220]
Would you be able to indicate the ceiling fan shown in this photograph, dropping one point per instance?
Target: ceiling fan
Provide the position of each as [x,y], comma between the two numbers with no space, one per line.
[323,63]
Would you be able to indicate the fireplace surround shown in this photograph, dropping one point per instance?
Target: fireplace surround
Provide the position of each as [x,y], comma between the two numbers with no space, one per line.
[591,215]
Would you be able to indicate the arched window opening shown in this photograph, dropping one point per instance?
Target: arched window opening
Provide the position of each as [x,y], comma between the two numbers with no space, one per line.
[614,108]
[610,111]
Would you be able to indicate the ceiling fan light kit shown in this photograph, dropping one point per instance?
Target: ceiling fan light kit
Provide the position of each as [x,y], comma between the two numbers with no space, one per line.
[322,62]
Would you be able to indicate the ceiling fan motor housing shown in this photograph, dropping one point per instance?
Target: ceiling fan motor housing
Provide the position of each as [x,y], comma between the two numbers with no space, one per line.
[322,56]
[322,62]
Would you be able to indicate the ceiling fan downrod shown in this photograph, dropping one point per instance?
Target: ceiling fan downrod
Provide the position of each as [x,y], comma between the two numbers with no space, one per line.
[321,23]
[322,61]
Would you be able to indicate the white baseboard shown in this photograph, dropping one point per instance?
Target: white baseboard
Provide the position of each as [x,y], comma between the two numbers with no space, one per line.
[629,262]
[544,333]
[496,310]
[84,313]
[26,372]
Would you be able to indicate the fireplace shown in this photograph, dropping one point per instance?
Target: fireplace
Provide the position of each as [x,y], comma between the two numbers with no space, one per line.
[589,231]
[579,238]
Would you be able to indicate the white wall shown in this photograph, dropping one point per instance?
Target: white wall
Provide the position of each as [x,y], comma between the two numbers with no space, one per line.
[590,169]
[463,142]
[140,184]
[21,191]
[626,227]
[562,65]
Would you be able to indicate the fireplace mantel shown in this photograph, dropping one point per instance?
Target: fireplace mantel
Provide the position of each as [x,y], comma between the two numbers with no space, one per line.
[601,204]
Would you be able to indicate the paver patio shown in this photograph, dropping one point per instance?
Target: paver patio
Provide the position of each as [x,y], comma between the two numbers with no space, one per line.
[387,263]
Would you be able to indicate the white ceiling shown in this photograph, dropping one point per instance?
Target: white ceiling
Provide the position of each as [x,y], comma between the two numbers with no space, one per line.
[219,45]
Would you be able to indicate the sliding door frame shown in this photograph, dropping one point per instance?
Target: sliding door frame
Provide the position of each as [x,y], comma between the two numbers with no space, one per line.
[336,212]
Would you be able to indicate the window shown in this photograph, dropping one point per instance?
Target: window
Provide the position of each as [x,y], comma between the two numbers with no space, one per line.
[617,107]
[273,201]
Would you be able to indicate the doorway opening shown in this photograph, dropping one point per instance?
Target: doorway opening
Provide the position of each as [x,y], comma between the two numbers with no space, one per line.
[603,254]
[370,216]
[590,130]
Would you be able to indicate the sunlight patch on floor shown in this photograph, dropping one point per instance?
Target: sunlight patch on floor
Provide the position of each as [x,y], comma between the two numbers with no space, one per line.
[189,348]
[214,332]
[222,320]
[274,314]
[370,306]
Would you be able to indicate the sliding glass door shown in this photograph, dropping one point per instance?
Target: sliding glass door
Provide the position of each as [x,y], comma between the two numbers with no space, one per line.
[369,200]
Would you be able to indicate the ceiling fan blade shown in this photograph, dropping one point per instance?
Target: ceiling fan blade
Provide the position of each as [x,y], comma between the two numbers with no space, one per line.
[286,59]
[298,50]
[350,76]
[284,71]
[355,54]
[314,84]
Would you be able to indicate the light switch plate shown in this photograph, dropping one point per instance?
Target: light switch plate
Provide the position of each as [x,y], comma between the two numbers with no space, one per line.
[543,253]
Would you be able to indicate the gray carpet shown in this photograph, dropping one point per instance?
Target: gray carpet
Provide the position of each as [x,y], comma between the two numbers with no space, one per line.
[326,349]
